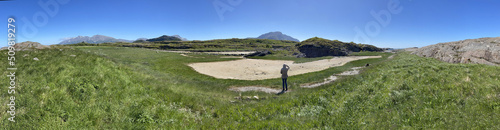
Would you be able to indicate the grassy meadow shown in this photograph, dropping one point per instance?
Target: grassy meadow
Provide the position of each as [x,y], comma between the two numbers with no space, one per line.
[134,88]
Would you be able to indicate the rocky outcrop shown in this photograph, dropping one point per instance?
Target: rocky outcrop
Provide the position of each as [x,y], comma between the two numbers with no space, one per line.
[28,45]
[258,53]
[318,51]
[481,51]
[318,47]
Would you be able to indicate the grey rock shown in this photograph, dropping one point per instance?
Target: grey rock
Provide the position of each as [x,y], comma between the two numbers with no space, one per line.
[28,45]
[481,51]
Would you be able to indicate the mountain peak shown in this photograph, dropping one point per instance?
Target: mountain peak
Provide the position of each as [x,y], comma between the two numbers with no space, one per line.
[277,35]
[165,38]
[276,32]
[96,39]
[183,39]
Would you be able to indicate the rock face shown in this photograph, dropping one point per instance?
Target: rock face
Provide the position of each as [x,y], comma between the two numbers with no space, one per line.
[482,51]
[28,45]
[318,51]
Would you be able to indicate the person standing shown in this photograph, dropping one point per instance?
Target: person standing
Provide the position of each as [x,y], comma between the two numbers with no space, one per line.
[284,76]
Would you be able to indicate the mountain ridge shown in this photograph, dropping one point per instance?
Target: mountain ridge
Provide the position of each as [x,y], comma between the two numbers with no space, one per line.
[96,39]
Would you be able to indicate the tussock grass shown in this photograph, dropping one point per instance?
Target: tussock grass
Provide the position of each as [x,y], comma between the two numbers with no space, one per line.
[133,88]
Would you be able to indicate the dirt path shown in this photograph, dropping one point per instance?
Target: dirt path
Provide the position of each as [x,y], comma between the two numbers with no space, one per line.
[257,69]
[353,71]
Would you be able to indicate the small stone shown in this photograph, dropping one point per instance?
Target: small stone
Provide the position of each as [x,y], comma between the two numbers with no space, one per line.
[35,59]
[72,55]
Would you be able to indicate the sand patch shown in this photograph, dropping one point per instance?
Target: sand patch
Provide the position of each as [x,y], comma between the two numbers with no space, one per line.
[353,71]
[258,69]
[190,56]
[327,80]
[255,88]
[390,57]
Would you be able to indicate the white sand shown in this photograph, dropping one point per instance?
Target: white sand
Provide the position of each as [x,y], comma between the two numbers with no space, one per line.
[257,69]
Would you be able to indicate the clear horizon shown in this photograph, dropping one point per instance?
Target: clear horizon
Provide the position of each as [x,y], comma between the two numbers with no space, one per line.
[385,23]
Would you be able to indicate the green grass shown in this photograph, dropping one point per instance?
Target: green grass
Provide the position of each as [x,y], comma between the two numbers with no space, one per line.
[133,88]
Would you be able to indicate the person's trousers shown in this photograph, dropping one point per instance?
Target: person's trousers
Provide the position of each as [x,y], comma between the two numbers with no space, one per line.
[285,85]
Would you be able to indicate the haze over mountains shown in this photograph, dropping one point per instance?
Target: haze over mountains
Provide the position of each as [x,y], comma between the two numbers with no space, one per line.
[96,39]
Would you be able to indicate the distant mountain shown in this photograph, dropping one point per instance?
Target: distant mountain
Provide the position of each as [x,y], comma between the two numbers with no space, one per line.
[277,36]
[94,39]
[183,39]
[142,39]
[165,38]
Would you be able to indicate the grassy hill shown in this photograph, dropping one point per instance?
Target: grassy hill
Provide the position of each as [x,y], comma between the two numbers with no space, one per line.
[134,88]
[318,47]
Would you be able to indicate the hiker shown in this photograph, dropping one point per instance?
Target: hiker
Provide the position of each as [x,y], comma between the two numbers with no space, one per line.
[284,76]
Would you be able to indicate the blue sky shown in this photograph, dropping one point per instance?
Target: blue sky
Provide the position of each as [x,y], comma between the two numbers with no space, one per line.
[418,22]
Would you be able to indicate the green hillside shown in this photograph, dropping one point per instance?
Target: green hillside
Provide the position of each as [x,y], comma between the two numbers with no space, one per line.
[135,88]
